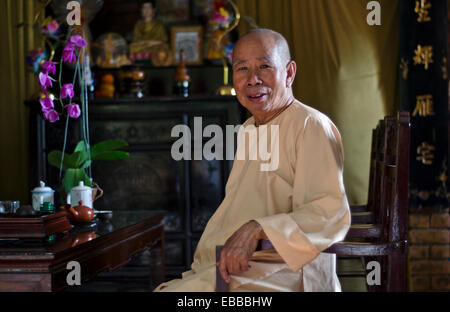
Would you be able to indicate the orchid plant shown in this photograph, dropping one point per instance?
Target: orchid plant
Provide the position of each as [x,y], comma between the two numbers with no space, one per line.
[73,47]
[72,52]
[77,166]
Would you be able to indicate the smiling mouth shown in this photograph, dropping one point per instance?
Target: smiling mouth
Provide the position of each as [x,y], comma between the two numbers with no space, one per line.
[257,96]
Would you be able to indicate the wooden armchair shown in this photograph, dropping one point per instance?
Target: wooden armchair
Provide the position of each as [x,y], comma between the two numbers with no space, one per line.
[366,213]
[386,239]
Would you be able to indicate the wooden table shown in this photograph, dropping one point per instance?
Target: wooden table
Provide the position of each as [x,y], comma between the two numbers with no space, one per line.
[38,265]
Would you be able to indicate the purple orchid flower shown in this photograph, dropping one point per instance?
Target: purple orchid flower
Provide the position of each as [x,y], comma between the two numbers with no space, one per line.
[46,104]
[73,110]
[68,54]
[45,80]
[49,67]
[77,41]
[51,115]
[67,91]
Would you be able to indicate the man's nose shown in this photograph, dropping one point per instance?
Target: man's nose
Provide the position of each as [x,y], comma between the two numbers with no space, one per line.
[253,78]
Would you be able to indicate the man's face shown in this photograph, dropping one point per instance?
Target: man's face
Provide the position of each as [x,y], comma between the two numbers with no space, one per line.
[259,73]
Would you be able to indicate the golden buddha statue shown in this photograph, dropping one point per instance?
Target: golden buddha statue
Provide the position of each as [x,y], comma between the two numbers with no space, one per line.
[148,33]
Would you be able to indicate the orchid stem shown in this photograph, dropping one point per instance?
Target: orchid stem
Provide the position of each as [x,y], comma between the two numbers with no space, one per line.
[74,76]
[64,147]
[67,119]
[59,80]
[86,104]
[83,119]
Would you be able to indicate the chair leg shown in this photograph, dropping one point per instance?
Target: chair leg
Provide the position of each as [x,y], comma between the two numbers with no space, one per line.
[397,272]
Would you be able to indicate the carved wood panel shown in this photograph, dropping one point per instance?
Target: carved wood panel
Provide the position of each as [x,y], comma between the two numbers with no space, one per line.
[146,180]
[207,191]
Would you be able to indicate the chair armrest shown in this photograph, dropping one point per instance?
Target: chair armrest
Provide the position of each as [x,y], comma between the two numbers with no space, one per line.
[340,249]
[364,231]
[365,249]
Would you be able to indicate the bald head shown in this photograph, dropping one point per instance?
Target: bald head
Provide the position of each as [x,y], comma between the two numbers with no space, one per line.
[278,41]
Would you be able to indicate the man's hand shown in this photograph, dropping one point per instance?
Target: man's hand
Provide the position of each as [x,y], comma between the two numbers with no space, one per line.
[239,248]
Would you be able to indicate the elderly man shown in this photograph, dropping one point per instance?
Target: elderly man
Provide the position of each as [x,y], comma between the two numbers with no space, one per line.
[300,206]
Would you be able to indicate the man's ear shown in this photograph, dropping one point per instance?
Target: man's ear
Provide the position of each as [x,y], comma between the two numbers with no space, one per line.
[291,69]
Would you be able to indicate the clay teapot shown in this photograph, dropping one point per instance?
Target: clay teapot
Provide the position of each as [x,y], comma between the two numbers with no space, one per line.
[79,213]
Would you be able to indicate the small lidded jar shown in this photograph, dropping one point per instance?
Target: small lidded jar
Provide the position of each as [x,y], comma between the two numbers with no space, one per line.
[41,195]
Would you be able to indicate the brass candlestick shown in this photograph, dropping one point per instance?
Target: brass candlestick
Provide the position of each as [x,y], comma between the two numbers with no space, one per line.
[227,89]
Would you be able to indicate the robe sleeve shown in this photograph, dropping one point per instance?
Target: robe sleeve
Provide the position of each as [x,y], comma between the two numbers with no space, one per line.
[320,212]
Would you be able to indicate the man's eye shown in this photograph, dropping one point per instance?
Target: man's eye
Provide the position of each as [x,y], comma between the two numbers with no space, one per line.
[242,68]
[264,66]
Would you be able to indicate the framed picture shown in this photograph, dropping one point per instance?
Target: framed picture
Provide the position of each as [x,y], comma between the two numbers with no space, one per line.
[190,40]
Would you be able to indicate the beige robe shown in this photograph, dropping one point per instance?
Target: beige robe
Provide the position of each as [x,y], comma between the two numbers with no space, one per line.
[301,206]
